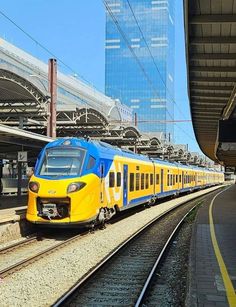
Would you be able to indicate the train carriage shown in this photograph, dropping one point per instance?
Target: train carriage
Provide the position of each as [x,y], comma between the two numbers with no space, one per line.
[83,182]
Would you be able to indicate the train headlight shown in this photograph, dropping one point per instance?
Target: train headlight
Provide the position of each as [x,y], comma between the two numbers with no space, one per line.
[75,186]
[34,186]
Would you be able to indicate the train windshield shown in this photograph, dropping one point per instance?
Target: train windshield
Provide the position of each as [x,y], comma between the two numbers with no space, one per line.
[62,162]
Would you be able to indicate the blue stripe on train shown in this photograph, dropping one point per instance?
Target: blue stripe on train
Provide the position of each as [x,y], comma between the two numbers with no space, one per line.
[146,198]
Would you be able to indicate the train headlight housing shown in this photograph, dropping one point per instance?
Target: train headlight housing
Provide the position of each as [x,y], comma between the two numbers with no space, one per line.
[75,186]
[34,186]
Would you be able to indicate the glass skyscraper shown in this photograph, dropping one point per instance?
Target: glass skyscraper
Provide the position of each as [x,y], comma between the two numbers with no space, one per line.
[142,77]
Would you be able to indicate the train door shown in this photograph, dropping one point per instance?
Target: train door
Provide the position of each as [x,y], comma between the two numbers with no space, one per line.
[102,182]
[162,177]
[125,184]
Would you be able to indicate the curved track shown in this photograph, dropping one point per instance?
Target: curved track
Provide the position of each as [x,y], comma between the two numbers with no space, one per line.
[123,277]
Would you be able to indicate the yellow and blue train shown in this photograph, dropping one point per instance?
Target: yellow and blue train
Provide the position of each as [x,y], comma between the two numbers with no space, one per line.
[82,182]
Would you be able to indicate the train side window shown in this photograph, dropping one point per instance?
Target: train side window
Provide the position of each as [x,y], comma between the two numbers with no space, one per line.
[142,181]
[111,179]
[176,178]
[179,178]
[151,179]
[157,178]
[131,182]
[168,180]
[118,179]
[137,181]
[173,179]
[147,181]
[91,163]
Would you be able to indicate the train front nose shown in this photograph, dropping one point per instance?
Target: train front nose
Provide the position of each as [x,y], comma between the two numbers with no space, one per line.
[50,199]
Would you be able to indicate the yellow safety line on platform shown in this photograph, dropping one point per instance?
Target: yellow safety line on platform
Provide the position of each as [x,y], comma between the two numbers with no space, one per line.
[230,292]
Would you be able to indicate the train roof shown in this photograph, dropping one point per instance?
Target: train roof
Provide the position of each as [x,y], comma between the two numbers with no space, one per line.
[99,147]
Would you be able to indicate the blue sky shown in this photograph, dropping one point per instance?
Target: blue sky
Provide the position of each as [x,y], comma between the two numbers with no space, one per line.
[75,32]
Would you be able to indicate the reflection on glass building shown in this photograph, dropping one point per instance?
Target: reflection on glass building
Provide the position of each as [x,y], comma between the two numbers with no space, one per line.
[148,86]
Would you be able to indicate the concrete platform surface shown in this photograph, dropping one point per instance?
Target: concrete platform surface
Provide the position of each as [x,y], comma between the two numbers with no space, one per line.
[213,253]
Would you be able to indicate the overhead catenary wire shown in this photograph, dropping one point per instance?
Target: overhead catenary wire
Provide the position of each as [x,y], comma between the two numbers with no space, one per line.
[70,68]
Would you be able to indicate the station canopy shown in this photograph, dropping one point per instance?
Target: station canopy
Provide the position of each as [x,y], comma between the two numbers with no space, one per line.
[210,34]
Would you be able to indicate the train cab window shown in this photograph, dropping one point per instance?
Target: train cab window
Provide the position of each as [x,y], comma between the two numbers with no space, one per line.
[137,181]
[62,162]
[131,182]
[142,181]
[151,179]
[91,163]
[118,179]
[111,179]
[147,181]
[157,178]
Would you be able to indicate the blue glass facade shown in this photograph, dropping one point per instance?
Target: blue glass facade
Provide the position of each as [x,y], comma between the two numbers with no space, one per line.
[148,92]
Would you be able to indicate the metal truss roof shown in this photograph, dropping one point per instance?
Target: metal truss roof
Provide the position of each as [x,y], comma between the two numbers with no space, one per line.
[13,140]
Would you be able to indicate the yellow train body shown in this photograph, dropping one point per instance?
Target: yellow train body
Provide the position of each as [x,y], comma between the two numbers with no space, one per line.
[116,181]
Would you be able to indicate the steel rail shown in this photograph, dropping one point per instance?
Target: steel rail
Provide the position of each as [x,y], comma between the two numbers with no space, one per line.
[160,257]
[9,248]
[17,266]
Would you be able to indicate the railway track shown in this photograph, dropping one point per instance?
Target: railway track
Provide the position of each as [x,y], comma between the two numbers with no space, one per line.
[123,278]
[14,248]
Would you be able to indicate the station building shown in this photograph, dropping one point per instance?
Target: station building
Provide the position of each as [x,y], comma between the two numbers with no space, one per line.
[139,71]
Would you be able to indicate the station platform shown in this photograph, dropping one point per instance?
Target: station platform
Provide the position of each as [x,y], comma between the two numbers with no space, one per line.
[12,208]
[212,279]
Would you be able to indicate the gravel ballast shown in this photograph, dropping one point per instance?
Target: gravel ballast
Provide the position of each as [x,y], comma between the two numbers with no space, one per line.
[43,282]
